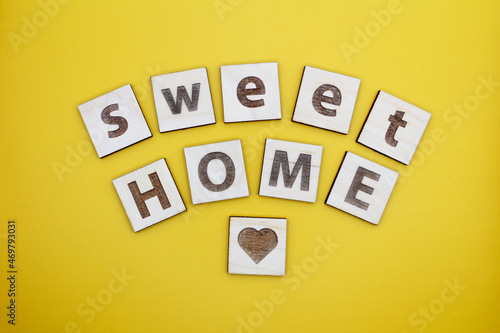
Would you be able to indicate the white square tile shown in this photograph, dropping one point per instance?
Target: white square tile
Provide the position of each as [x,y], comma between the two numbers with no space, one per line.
[183,100]
[149,195]
[326,100]
[362,188]
[216,171]
[250,92]
[394,127]
[257,245]
[290,170]
[114,121]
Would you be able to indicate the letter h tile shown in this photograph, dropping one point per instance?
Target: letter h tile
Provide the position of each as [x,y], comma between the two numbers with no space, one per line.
[149,195]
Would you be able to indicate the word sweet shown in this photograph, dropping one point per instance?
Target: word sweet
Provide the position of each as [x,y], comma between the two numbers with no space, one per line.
[290,170]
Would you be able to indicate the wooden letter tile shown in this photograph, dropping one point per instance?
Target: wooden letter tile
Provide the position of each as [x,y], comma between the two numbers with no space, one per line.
[149,195]
[362,188]
[394,127]
[257,245]
[326,100]
[290,170]
[114,121]
[216,171]
[183,100]
[250,92]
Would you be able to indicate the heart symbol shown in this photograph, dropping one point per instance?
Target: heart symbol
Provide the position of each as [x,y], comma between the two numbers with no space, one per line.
[257,244]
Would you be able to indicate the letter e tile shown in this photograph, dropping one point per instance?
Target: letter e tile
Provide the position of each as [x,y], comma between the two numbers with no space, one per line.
[326,100]
[250,92]
[362,188]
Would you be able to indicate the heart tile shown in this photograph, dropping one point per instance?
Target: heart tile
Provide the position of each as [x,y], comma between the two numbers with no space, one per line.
[257,244]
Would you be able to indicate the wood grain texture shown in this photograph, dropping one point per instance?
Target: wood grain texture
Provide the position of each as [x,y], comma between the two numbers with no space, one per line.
[326,100]
[362,188]
[319,97]
[149,195]
[157,191]
[121,122]
[216,171]
[396,121]
[250,92]
[290,170]
[257,245]
[394,127]
[230,171]
[183,100]
[114,121]
[242,92]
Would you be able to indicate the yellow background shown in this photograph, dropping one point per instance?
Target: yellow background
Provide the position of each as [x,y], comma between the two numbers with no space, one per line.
[440,225]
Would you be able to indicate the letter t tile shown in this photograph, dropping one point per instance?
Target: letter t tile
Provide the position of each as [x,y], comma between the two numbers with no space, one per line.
[394,127]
